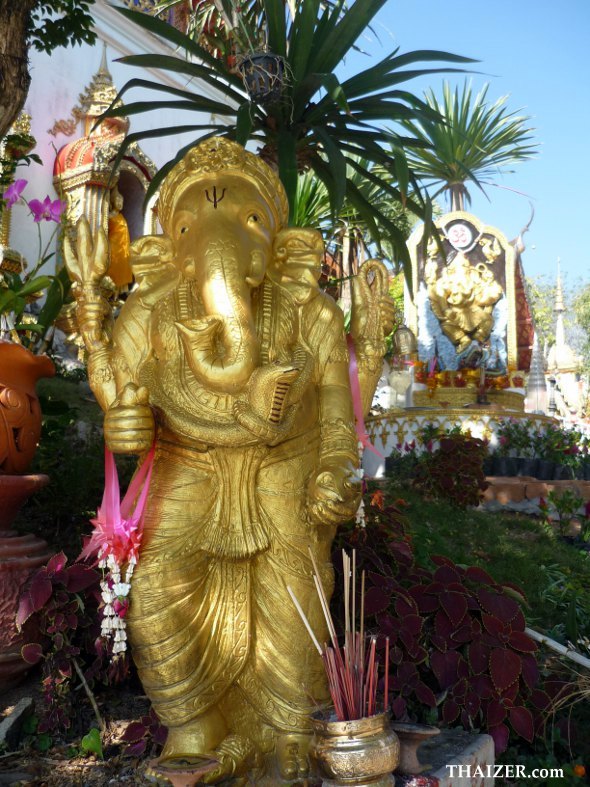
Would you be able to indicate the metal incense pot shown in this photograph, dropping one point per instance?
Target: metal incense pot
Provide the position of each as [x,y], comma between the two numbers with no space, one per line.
[363,752]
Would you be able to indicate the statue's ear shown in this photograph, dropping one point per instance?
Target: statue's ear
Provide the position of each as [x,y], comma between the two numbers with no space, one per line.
[149,253]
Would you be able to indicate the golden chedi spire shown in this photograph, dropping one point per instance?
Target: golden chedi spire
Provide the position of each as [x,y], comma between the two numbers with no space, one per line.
[97,97]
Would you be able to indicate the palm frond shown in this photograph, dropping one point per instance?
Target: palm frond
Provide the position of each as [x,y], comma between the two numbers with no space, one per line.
[477,140]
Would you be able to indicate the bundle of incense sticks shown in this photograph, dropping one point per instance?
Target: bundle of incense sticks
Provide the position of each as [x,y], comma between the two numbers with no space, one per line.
[352,669]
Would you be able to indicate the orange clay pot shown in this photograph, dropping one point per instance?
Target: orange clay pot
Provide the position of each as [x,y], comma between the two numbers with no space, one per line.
[20,555]
[20,414]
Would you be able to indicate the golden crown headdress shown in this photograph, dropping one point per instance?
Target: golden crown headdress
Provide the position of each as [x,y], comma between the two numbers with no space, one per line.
[222,155]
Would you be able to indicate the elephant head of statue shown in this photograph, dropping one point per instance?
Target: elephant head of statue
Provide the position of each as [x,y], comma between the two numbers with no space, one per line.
[221,208]
[296,264]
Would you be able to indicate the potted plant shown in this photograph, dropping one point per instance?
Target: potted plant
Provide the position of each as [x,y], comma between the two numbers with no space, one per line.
[518,432]
[24,335]
[543,452]
[23,340]
[561,447]
[504,456]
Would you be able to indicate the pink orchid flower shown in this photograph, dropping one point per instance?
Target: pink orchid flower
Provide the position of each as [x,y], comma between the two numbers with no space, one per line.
[13,193]
[47,210]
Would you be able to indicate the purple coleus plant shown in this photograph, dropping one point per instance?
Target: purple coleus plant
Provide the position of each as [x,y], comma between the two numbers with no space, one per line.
[458,646]
[63,600]
[149,730]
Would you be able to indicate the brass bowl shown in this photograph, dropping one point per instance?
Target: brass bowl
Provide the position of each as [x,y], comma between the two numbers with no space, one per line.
[363,752]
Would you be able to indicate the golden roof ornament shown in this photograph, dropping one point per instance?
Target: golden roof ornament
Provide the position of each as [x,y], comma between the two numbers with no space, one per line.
[99,94]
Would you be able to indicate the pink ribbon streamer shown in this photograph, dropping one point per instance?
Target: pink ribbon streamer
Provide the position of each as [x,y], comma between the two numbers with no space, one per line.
[118,525]
[355,387]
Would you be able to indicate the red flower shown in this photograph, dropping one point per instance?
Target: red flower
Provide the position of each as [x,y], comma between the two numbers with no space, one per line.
[377,499]
[121,606]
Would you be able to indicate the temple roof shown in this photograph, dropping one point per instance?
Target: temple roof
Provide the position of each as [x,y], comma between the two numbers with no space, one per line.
[98,145]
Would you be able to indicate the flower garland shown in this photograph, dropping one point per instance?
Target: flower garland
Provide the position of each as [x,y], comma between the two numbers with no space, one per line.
[115,542]
[115,596]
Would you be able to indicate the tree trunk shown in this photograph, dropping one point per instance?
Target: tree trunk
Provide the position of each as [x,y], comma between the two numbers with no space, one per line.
[458,193]
[14,73]
[345,301]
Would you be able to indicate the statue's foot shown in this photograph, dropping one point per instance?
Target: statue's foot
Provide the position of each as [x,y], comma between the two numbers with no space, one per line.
[236,756]
[293,756]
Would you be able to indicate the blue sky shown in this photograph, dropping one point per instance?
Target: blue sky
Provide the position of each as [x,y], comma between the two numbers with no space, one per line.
[538,52]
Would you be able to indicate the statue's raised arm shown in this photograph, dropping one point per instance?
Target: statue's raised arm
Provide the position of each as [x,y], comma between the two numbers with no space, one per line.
[373,313]
[87,264]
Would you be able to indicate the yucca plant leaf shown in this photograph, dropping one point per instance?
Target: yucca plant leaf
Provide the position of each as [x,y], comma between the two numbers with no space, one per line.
[403,173]
[287,153]
[244,123]
[337,164]
[301,38]
[177,65]
[340,37]
[276,26]
[179,39]
[384,183]
[312,204]
[390,68]
[477,140]
[309,86]
[197,104]
[158,86]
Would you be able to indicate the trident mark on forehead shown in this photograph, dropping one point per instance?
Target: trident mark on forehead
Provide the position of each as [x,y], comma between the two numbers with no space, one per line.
[216,200]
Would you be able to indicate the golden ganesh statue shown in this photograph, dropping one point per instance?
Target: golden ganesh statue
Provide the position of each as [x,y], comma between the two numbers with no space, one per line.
[228,353]
[463,297]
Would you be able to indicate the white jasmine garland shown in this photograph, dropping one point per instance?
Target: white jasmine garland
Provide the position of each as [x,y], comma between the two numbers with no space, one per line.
[113,627]
[121,589]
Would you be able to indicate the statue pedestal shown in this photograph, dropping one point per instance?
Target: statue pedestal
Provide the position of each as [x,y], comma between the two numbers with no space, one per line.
[397,427]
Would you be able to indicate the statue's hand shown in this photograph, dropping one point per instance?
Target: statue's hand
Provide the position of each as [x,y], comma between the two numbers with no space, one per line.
[129,425]
[87,265]
[334,494]
[264,409]
[373,309]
